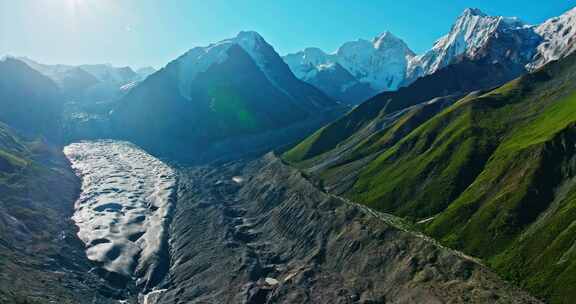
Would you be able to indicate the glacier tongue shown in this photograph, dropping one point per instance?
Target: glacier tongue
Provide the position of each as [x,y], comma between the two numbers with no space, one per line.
[123,210]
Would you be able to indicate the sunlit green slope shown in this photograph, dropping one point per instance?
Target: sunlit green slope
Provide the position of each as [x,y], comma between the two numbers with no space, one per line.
[496,173]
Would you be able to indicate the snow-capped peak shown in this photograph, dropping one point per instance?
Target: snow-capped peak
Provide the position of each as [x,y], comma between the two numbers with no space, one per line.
[199,59]
[387,40]
[470,35]
[473,12]
[475,35]
[256,47]
[304,64]
[250,41]
[381,63]
[251,37]
[472,29]
[380,40]
[559,35]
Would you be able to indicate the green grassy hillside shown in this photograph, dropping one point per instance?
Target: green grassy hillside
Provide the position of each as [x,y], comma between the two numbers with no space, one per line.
[496,173]
[455,79]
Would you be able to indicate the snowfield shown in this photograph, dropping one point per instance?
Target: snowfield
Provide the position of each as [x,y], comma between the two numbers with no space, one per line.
[123,210]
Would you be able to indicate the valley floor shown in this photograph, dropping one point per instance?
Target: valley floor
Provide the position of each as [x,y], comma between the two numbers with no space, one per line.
[259,232]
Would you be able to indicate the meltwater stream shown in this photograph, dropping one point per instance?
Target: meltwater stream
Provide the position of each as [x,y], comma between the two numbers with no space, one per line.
[124,208]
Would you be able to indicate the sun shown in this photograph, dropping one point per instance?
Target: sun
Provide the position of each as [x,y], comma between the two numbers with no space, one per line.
[74,5]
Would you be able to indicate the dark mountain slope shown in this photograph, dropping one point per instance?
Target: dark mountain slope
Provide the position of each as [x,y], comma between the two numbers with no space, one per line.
[339,84]
[41,259]
[244,94]
[75,82]
[29,101]
[496,173]
[90,83]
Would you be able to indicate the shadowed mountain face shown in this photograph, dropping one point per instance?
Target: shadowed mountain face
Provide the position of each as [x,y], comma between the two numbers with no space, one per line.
[227,93]
[29,101]
[339,84]
[76,81]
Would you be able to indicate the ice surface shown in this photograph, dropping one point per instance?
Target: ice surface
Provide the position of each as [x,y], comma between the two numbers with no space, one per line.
[125,202]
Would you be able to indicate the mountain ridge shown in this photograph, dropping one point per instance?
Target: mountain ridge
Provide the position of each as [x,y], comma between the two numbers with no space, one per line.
[238,86]
[90,83]
[379,65]
[474,36]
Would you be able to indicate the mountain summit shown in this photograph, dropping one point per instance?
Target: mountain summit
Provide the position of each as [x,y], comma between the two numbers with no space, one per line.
[358,69]
[387,63]
[474,12]
[559,34]
[227,97]
[477,36]
[90,83]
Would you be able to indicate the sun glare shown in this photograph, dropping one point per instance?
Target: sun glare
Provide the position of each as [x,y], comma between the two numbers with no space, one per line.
[74,5]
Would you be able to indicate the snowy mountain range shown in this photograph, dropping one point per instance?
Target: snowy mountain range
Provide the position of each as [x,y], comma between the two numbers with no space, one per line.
[477,36]
[387,63]
[379,64]
[91,82]
[559,38]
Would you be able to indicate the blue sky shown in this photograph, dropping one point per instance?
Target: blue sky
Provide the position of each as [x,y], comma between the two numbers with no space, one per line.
[152,32]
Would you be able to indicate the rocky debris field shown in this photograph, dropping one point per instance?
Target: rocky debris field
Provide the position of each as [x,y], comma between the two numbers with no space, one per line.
[261,233]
